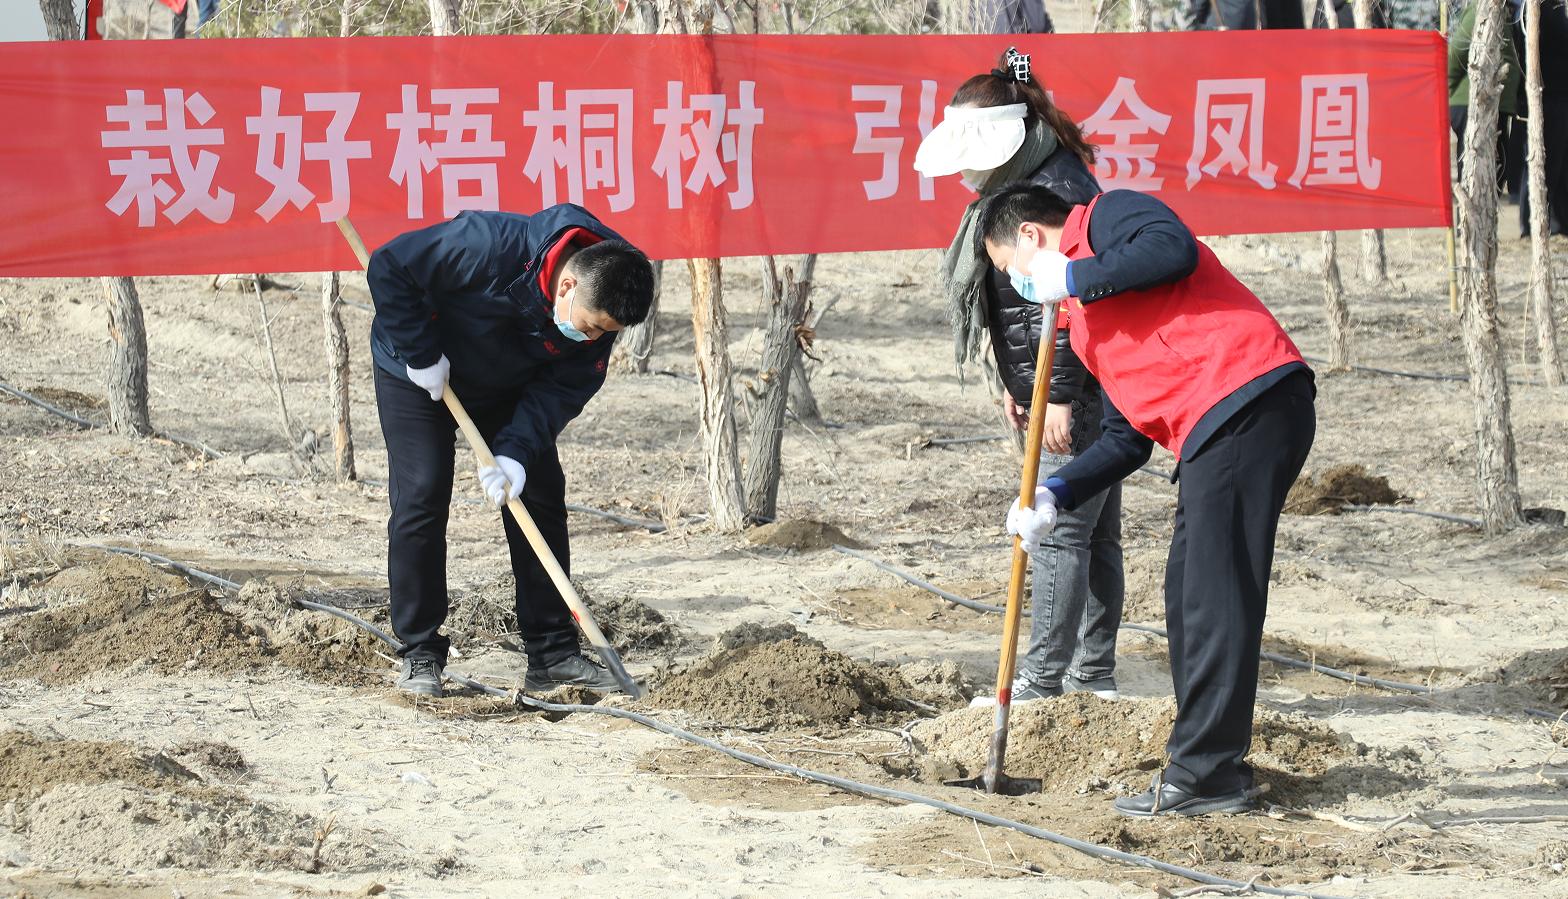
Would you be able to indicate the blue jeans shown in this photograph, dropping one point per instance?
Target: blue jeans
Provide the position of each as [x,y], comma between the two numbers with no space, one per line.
[1079,584]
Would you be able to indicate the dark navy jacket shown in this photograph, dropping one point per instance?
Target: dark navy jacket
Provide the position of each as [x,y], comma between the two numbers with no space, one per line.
[470,288]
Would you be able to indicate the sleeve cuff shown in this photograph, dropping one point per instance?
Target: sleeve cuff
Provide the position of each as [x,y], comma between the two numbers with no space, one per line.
[1072,289]
[1063,493]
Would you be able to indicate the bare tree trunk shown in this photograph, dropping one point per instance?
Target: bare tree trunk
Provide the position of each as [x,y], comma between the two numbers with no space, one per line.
[60,20]
[720,454]
[802,399]
[127,382]
[446,17]
[671,15]
[290,438]
[1140,16]
[1374,253]
[634,346]
[128,375]
[1101,21]
[337,376]
[1540,211]
[1334,304]
[1496,465]
[781,346]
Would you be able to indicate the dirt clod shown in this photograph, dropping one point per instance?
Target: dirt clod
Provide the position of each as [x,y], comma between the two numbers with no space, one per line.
[1334,489]
[782,684]
[941,685]
[212,757]
[801,536]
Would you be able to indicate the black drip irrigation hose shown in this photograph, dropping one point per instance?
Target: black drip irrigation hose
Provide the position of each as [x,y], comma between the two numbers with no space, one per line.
[843,783]
[1440,516]
[86,425]
[47,407]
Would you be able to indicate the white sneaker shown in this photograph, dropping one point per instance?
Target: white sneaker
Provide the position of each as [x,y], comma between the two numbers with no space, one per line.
[1105,687]
[1024,690]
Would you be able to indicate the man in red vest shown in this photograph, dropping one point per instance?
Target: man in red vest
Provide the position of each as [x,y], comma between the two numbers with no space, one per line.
[1188,358]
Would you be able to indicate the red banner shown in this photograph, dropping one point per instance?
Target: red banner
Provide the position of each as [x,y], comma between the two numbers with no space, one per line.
[137,157]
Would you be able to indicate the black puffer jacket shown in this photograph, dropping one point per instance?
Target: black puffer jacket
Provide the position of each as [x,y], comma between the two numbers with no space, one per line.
[1015,322]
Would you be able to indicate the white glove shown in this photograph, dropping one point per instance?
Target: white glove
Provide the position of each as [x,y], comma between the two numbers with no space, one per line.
[432,379]
[1049,270]
[503,481]
[1032,525]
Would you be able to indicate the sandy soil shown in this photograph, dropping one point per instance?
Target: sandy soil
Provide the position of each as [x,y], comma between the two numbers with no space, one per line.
[300,732]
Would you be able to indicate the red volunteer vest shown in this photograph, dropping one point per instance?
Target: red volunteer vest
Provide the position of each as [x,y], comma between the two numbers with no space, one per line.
[1167,355]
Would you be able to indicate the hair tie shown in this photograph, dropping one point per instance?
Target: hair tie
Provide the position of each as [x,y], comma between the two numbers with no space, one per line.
[1016,67]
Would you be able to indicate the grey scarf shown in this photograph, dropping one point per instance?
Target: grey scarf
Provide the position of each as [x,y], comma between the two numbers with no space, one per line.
[964,265]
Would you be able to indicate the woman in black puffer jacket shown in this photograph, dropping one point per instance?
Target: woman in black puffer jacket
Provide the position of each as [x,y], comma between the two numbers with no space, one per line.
[1002,128]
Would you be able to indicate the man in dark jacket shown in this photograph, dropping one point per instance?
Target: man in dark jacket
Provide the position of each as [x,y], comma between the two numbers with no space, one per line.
[518,313]
[1187,357]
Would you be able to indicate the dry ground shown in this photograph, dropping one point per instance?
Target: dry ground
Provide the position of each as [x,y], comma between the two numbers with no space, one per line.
[464,798]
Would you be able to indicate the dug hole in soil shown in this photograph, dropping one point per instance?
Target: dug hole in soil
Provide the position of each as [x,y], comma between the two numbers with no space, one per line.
[1079,743]
[106,612]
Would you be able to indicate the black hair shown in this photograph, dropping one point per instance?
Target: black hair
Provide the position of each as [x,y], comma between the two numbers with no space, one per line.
[616,279]
[1008,209]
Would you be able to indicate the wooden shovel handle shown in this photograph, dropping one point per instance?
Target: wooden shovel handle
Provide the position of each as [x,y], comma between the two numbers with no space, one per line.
[1015,586]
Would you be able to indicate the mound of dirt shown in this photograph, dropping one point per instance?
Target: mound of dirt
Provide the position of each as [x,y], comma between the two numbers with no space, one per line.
[752,633]
[30,766]
[127,613]
[97,577]
[1543,673]
[1079,742]
[1343,485]
[791,683]
[120,827]
[800,536]
[634,627]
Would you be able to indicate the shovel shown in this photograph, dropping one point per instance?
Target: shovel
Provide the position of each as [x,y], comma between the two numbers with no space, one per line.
[993,780]
[579,609]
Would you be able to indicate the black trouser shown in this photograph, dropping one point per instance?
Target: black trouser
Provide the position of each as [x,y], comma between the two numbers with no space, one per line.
[421,445]
[1217,580]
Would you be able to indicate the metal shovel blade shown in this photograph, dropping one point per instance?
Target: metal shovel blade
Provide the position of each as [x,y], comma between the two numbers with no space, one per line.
[1003,786]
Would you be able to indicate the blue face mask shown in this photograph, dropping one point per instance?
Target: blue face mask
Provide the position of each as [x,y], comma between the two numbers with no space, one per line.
[566,327]
[1023,284]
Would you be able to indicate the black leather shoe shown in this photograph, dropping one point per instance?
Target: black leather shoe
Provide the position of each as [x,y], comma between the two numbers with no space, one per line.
[572,671]
[1165,799]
